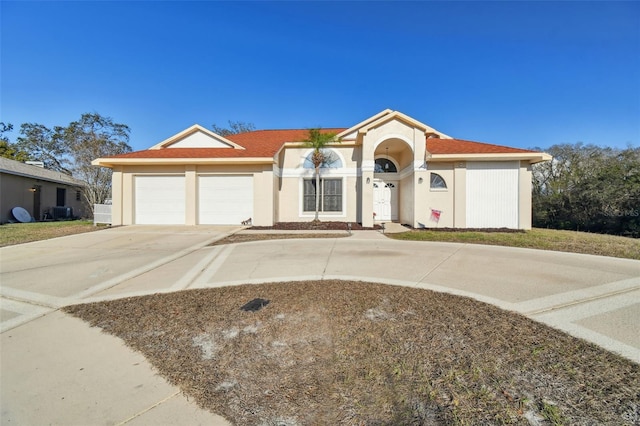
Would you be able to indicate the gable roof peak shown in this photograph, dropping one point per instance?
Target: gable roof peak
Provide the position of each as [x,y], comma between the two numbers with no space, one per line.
[386,116]
[192,130]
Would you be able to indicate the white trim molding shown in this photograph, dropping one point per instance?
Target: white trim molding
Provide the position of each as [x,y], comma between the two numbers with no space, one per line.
[333,151]
[326,215]
[388,136]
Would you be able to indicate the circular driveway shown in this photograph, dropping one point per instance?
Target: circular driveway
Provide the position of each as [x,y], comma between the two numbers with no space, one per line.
[592,297]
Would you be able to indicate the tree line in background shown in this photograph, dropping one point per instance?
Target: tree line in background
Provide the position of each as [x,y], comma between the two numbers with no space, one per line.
[71,149]
[588,188]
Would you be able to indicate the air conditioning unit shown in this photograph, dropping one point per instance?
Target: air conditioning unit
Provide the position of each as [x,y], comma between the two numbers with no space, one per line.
[62,213]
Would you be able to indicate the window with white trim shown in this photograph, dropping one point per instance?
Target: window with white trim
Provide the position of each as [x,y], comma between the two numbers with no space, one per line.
[330,195]
[437,182]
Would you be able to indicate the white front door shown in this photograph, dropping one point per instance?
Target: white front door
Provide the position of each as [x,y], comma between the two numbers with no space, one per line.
[385,200]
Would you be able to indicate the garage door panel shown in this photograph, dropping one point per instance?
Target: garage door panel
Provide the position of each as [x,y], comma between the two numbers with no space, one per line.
[160,200]
[492,194]
[225,200]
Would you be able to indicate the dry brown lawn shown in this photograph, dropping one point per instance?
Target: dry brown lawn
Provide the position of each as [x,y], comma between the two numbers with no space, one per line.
[354,353]
[243,238]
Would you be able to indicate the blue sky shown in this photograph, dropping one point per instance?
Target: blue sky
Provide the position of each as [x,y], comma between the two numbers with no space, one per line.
[522,74]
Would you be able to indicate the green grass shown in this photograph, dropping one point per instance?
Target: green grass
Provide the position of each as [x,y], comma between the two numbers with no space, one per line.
[544,239]
[552,414]
[18,233]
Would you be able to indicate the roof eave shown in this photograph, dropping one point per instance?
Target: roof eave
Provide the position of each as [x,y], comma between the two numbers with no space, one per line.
[111,162]
[532,158]
[44,178]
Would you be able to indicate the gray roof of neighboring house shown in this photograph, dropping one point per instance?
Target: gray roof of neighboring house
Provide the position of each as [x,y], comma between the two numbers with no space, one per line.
[27,170]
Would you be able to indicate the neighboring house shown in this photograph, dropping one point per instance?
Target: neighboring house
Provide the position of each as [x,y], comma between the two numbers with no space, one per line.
[389,167]
[39,191]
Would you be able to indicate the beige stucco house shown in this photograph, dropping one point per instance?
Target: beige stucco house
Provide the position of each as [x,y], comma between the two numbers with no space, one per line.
[389,167]
[42,193]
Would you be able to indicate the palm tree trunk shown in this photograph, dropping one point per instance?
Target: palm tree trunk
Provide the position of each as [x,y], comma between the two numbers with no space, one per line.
[317,193]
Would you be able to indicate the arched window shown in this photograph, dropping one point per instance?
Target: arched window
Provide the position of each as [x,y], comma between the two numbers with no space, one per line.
[331,160]
[437,182]
[384,165]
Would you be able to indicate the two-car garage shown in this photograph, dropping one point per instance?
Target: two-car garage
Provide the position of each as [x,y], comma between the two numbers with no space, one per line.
[220,200]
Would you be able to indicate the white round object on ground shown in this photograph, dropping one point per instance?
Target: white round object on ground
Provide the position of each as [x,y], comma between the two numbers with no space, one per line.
[21,214]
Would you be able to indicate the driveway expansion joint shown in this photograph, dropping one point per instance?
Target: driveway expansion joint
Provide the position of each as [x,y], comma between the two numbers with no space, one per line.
[442,262]
[333,246]
[173,395]
[579,302]
[576,297]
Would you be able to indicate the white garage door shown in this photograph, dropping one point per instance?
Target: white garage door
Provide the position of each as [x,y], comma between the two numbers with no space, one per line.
[159,200]
[492,194]
[225,200]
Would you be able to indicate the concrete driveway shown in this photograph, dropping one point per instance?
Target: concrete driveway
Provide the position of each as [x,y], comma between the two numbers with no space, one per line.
[55,369]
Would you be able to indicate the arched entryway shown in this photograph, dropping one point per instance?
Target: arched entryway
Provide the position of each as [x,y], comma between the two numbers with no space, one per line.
[393,168]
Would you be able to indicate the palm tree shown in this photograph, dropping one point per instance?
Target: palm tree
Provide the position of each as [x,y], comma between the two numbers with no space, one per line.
[318,140]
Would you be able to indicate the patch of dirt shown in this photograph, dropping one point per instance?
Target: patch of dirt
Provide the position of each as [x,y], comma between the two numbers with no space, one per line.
[355,353]
[315,226]
[244,238]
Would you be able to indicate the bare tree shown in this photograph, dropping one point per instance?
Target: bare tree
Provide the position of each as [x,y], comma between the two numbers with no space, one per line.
[91,137]
[46,145]
[235,127]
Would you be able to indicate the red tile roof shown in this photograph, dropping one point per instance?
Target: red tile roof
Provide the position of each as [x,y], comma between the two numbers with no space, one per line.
[274,137]
[266,143]
[458,146]
[259,143]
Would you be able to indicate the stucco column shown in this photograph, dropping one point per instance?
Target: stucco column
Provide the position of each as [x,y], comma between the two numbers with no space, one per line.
[116,197]
[420,196]
[366,179]
[367,196]
[191,195]
[263,201]
[127,199]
